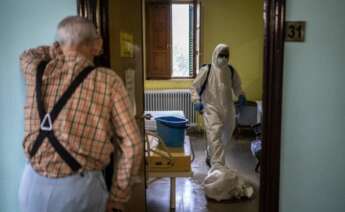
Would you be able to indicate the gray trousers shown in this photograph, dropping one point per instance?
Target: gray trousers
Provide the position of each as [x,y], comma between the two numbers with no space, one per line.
[74,193]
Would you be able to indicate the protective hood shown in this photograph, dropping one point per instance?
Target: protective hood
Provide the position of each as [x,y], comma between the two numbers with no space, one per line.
[219,48]
[221,83]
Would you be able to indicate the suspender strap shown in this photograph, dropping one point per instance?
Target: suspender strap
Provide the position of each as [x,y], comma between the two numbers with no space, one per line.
[47,119]
[39,76]
[69,92]
[64,98]
[203,87]
[64,154]
[232,71]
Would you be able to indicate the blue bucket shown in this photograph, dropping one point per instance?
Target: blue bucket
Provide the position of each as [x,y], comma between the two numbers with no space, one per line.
[172,130]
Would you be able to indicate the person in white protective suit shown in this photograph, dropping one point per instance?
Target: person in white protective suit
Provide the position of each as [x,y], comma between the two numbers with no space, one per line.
[212,94]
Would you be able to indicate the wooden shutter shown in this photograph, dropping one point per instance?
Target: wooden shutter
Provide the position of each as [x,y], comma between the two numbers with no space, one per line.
[158,34]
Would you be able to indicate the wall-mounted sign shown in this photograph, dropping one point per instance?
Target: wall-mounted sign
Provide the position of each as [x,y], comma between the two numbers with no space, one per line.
[295,31]
[126,45]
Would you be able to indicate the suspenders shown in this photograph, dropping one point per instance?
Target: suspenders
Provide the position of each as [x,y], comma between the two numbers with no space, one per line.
[48,118]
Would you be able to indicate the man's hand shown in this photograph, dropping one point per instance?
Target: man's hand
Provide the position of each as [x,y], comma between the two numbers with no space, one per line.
[115,206]
[198,106]
[55,50]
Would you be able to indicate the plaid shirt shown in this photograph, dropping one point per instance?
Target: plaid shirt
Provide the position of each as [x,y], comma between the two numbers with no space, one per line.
[97,112]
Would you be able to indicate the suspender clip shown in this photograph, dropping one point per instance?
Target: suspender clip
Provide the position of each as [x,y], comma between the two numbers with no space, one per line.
[46,124]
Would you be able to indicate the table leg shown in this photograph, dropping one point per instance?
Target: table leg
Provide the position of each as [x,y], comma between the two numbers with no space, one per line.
[172,192]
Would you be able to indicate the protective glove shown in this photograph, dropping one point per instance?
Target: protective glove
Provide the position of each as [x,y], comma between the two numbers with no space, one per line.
[198,106]
[241,100]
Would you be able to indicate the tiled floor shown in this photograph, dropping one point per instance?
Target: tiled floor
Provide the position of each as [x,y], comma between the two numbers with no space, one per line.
[190,196]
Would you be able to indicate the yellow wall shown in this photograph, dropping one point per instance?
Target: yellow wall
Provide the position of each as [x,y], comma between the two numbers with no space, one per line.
[238,23]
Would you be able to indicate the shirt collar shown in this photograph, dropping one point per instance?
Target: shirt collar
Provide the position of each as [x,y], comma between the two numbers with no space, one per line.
[75,58]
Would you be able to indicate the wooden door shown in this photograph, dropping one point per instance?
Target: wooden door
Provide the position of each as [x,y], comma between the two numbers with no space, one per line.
[158,33]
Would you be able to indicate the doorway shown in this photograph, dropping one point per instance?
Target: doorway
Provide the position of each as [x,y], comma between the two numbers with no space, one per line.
[199,26]
[272,88]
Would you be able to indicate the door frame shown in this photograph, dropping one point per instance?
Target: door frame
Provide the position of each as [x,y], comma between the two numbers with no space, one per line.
[274,18]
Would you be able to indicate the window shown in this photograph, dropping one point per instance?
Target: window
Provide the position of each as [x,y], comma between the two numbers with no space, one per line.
[182,40]
[170,40]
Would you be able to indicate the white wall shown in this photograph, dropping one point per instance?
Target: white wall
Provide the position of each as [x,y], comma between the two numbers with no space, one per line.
[23,24]
[313,134]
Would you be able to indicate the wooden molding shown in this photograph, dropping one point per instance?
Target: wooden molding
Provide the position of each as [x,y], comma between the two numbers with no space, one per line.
[274,16]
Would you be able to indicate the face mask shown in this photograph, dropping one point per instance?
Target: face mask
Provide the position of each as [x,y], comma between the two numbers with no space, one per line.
[222,61]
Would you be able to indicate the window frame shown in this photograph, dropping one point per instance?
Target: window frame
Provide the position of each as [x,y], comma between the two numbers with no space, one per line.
[196,45]
[193,40]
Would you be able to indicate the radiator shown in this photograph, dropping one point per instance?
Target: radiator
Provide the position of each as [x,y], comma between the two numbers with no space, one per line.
[171,99]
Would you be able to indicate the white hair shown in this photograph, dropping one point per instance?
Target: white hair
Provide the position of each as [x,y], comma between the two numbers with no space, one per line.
[74,30]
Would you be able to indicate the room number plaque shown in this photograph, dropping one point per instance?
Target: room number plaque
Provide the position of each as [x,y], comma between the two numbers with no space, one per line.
[295,31]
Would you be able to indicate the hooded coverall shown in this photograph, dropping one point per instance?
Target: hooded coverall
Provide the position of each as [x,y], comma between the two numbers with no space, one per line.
[217,98]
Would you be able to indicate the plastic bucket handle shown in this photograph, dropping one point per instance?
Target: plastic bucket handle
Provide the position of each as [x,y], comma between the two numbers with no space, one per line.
[182,123]
[175,126]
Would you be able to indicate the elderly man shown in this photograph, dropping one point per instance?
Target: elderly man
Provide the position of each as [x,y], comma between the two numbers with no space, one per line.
[73,113]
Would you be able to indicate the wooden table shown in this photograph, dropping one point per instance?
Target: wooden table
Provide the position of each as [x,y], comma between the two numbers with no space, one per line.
[173,175]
